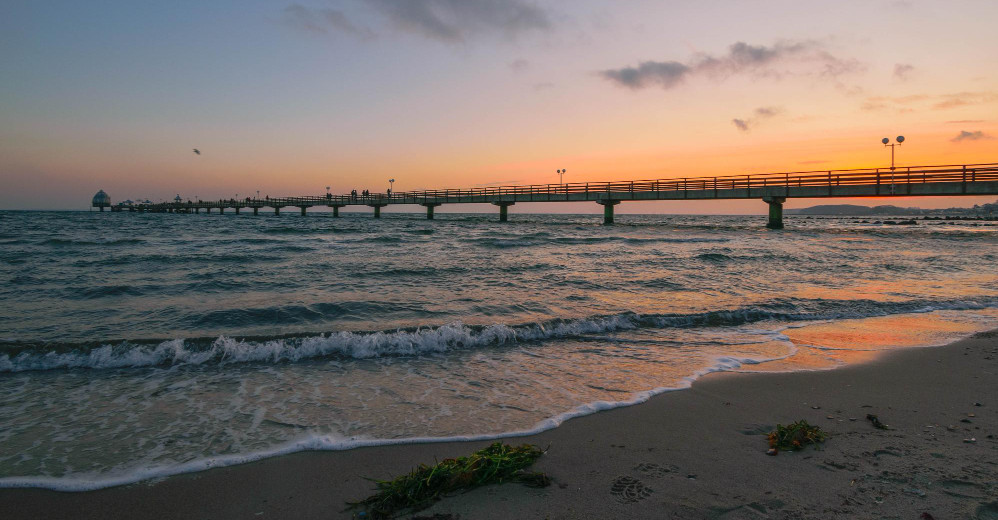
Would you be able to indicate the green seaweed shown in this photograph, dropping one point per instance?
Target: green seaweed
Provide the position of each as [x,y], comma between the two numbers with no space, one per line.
[795,436]
[424,485]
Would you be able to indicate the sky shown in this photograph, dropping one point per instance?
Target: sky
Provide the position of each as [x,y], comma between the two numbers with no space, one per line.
[286,98]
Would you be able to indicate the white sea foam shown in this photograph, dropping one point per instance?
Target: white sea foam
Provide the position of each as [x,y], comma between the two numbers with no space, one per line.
[93,481]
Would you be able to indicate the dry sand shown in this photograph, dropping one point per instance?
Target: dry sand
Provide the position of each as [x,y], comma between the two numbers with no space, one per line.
[697,453]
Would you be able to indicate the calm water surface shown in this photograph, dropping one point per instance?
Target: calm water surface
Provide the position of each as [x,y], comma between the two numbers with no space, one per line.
[141,345]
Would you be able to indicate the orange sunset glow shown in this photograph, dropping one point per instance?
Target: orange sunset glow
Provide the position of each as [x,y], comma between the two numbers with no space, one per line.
[287,99]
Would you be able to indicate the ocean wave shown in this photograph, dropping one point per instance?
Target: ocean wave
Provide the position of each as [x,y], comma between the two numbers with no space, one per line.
[76,242]
[713,257]
[296,314]
[418,341]
[542,239]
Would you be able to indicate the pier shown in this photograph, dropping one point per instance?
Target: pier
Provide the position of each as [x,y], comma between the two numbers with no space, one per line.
[771,188]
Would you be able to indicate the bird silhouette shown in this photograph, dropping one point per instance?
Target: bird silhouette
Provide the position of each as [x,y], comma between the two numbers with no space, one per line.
[197,151]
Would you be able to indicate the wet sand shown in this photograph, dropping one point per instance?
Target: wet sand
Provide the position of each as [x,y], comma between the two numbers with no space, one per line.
[697,453]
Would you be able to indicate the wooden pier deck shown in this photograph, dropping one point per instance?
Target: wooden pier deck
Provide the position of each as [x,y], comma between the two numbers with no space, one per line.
[772,188]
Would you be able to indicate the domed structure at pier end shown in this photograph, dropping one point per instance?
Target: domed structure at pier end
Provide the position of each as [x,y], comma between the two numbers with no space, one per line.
[101,200]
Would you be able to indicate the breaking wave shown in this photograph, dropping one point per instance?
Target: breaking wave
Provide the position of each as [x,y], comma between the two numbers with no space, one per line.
[18,357]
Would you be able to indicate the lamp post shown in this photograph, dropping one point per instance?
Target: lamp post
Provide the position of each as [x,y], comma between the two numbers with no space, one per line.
[561,176]
[900,139]
[391,184]
[257,194]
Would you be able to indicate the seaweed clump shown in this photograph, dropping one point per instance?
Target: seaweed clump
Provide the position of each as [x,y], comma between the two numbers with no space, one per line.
[795,436]
[424,485]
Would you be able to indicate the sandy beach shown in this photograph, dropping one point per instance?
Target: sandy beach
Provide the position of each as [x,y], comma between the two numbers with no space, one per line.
[696,453]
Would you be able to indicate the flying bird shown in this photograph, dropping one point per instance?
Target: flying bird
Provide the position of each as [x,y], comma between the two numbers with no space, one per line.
[197,151]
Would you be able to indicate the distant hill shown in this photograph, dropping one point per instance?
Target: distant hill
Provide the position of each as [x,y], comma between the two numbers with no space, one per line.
[854,210]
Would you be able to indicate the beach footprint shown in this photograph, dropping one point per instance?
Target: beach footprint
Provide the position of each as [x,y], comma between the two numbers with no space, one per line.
[654,470]
[627,490]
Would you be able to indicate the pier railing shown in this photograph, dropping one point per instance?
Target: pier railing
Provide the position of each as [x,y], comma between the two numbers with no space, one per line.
[866,176]
[908,175]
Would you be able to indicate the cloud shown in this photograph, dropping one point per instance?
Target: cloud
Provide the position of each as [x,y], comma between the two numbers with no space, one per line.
[919,101]
[961,99]
[758,115]
[519,65]
[902,71]
[454,21]
[447,21]
[782,58]
[965,121]
[971,136]
[649,73]
[324,20]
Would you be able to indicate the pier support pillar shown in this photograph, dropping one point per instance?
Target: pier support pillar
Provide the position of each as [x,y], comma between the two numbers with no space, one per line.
[197,210]
[775,212]
[221,210]
[377,209]
[302,210]
[277,211]
[207,210]
[336,210]
[504,210]
[429,209]
[608,210]
[256,211]
[237,210]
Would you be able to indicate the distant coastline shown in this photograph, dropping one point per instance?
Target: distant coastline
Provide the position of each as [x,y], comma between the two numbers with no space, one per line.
[978,210]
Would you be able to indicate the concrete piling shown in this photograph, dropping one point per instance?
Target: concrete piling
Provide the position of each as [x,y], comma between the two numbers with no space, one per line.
[775,212]
[608,210]
[503,210]
[429,209]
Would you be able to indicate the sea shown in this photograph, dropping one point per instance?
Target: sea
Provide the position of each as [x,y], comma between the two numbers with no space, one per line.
[135,346]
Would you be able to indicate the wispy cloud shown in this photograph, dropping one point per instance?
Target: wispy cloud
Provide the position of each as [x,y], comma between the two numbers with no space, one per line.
[961,99]
[902,71]
[447,21]
[519,65]
[971,136]
[324,21]
[758,115]
[781,59]
[649,73]
[965,122]
[920,101]
[455,20]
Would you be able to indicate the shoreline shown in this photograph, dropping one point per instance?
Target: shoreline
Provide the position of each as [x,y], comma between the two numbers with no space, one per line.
[713,431]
